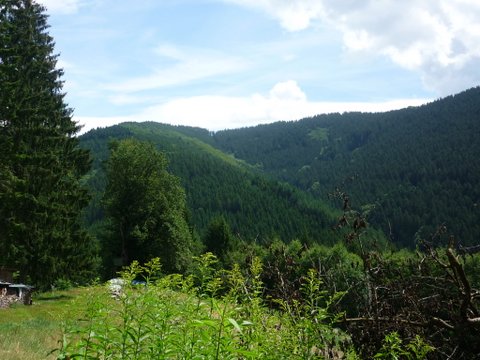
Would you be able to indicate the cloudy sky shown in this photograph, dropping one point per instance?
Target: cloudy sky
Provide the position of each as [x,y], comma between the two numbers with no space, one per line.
[222,64]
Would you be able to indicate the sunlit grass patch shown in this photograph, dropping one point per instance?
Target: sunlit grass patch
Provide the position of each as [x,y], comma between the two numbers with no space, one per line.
[31,332]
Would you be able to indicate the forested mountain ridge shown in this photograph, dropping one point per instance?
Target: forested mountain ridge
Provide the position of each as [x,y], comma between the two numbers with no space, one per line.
[217,184]
[414,168]
[411,170]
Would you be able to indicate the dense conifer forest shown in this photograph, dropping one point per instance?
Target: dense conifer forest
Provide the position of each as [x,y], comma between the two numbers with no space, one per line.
[414,169]
[257,207]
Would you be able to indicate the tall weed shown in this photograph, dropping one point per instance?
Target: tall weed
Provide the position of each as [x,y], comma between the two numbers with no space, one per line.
[210,314]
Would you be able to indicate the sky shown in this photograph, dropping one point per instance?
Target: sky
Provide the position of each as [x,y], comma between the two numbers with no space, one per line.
[222,64]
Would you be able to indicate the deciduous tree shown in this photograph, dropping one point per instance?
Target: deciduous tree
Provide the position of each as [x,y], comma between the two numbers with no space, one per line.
[146,207]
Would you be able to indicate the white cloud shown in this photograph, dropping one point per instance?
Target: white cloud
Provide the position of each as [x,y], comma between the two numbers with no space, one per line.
[294,15]
[288,90]
[61,6]
[179,66]
[285,101]
[123,99]
[93,122]
[439,39]
[63,64]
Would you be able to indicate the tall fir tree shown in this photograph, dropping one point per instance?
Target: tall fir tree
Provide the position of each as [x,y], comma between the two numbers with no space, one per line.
[41,165]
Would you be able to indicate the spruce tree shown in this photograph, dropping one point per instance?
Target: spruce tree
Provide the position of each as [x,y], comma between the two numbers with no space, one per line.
[40,197]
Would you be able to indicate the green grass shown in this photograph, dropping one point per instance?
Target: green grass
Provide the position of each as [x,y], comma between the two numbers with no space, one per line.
[31,332]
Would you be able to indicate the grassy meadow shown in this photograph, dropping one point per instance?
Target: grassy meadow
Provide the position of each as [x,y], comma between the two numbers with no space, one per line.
[31,332]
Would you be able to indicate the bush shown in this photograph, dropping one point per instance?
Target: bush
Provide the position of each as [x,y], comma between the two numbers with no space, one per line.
[62,284]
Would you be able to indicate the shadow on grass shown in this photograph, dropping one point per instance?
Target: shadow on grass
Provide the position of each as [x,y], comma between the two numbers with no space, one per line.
[52,297]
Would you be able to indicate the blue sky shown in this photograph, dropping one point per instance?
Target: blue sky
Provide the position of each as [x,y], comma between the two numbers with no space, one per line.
[221,64]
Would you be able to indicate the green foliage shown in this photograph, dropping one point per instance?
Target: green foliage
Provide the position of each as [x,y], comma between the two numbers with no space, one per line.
[170,318]
[62,284]
[146,207]
[41,198]
[339,270]
[320,134]
[219,238]
[312,319]
[394,349]
[472,268]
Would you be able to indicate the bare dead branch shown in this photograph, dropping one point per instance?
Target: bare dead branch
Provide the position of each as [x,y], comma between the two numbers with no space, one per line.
[384,319]
[474,321]
[442,323]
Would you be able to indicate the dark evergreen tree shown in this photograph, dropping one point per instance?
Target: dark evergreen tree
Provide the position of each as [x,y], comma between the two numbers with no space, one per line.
[145,207]
[41,197]
[219,239]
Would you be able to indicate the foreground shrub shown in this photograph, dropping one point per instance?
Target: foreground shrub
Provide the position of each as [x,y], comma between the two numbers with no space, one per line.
[211,314]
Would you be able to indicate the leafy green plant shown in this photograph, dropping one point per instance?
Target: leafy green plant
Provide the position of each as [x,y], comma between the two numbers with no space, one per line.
[62,284]
[210,314]
[393,348]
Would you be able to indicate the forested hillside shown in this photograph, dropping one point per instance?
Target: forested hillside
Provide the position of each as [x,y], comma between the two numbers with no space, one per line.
[217,184]
[414,169]
[409,170]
